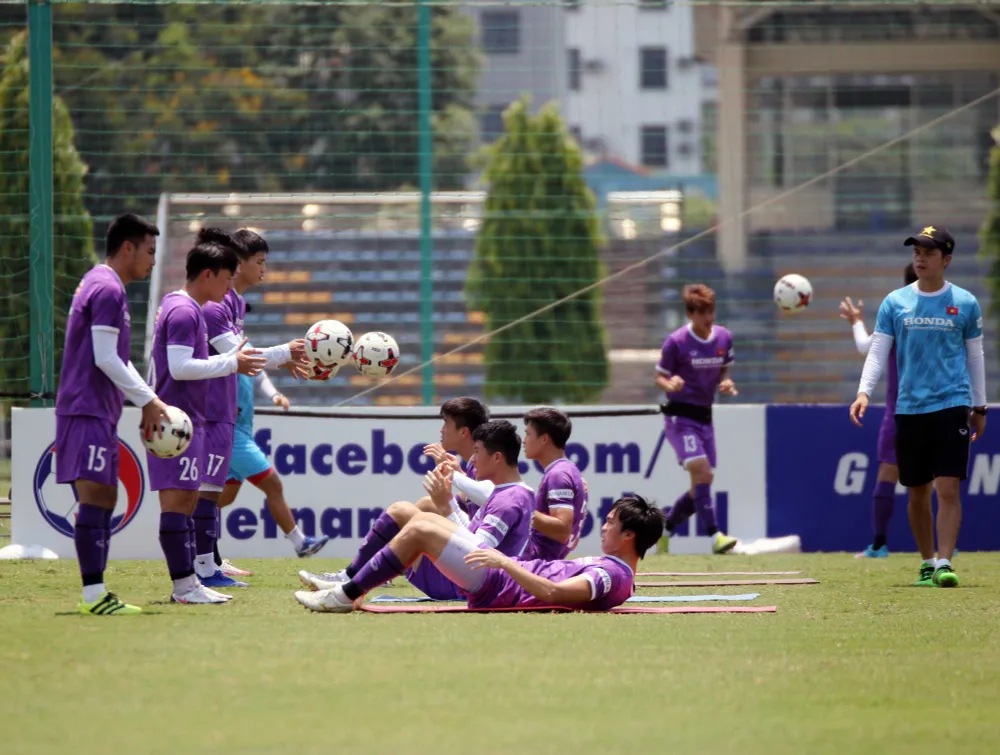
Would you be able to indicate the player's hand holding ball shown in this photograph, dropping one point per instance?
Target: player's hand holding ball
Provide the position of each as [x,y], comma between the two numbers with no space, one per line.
[153,416]
[486,559]
[858,408]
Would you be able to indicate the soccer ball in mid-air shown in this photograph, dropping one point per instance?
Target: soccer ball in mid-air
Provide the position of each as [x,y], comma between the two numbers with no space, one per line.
[792,293]
[176,437]
[321,372]
[329,343]
[376,354]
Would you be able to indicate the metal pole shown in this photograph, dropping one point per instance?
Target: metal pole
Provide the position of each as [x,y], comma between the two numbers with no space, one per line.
[40,190]
[426,147]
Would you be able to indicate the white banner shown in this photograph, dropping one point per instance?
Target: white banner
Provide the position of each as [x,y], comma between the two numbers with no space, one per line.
[340,473]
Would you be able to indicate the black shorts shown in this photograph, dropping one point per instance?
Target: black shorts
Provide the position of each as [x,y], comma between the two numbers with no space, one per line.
[933,445]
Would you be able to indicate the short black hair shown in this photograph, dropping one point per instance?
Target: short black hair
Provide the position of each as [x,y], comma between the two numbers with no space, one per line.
[465,412]
[499,436]
[222,238]
[909,274]
[639,516]
[210,256]
[252,241]
[127,227]
[551,422]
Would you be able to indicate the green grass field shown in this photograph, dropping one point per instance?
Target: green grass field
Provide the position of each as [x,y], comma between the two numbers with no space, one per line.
[858,663]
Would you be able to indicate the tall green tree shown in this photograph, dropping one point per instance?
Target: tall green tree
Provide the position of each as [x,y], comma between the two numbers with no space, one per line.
[989,234]
[73,250]
[539,243]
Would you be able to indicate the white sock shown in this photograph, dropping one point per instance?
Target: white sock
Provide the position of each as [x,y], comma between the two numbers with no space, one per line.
[204,566]
[943,562]
[93,592]
[929,562]
[296,537]
[187,584]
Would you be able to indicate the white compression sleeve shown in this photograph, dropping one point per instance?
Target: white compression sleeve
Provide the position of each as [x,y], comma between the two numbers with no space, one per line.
[126,377]
[226,342]
[975,362]
[276,356]
[476,491]
[266,386]
[183,366]
[861,338]
[878,357]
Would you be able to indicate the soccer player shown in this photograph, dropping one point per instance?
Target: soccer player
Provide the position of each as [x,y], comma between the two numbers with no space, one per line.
[561,499]
[97,377]
[460,419]
[502,522]
[180,367]
[937,329]
[884,500]
[695,361]
[490,579]
[227,411]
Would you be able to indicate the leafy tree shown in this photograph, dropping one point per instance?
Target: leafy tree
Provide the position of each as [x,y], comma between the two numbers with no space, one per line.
[72,232]
[539,242]
[989,234]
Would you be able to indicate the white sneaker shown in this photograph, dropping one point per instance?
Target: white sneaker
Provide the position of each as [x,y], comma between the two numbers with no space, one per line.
[217,594]
[324,581]
[200,594]
[326,601]
[231,570]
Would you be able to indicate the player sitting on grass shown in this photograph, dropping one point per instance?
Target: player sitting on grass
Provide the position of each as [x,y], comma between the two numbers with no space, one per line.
[461,417]
[884,499]
[490,579]
[502,522]
[694,362]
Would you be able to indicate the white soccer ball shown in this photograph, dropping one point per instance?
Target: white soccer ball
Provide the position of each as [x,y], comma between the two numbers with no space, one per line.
[329,343]
[321,372]
[376,354]
[792,293]
[177,434]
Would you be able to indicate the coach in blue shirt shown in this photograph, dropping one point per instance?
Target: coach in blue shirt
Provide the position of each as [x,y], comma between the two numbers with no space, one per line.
[938,331]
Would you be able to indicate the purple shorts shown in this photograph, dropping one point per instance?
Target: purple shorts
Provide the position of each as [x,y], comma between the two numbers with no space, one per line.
[217,452]
[433,583]
[691,440]
[182,472]
[86,449]
[887,439]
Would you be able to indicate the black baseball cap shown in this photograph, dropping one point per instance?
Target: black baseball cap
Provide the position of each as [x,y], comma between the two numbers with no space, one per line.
[933,237]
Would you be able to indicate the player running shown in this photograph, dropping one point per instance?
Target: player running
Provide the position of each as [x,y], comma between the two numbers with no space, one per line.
[460,419]
[884,499]
[246,461]
[97,377]
[179,368]
[937,329]
[561,499]
[502,522]
[695,361]
[490,579]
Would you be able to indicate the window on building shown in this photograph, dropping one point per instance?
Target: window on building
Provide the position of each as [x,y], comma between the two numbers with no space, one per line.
[501,32]
[491,123]
[573,68]
[654,147]
[653,67]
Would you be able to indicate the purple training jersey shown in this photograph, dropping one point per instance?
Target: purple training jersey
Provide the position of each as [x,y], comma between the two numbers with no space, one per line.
[220,319]
[562,487]
[504,520]
[84,390]
[179,322]
[698,361]
[611,583]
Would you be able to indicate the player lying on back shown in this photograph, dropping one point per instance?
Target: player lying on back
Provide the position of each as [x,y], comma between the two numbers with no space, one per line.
[884,499]
[694,363]
[461,417]
[96,378]
[490,579]
[244,460]
[502,522]
[180,368]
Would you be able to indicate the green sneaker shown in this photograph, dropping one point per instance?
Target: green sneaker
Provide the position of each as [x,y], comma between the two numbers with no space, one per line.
[107,605]
[945,577]
[926,576]
[722,543]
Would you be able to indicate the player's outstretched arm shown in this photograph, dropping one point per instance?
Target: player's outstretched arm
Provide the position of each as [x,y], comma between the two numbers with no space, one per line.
[183,365]
[572,591]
